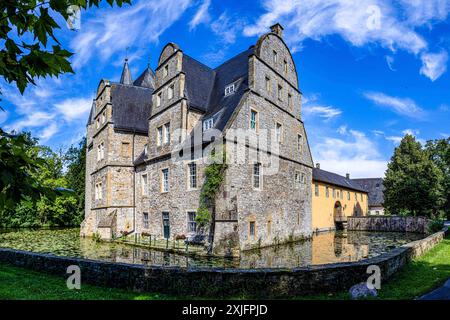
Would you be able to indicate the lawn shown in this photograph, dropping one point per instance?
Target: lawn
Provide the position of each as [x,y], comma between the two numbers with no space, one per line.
[417,278]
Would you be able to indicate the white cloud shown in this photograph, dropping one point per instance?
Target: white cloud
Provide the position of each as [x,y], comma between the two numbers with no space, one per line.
[74,108]
[201,16]
[227,28]
[142,24]
[342,130]
[32,120]
[390,62]
[326,112]
[48,132]
[403,106]
[434,64]
[390,25]
[3,116]
[355,154]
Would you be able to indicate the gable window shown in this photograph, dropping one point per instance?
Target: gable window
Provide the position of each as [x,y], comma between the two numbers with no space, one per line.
[327,192]
[192,175]
[167,133]
[290,101]
[144,190]
[145,220]
[279,132]
[165,180]
[158,99]
[101,151]
[208,124]
[257,176]
[275,57]
[268,89]
[280,92]
[104,117]
[166,70]
[170,91]
[159,140]
[229,89]
[252,229]
[285,64]
[316,189]
[299,142]
[254,120]
[98,191]
[98,123]
[146,149]
[192,224]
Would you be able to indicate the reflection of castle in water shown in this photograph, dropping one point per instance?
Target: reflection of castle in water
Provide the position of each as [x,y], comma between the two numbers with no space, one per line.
[323,248]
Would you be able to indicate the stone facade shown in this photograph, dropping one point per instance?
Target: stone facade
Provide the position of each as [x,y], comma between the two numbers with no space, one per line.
[255,92]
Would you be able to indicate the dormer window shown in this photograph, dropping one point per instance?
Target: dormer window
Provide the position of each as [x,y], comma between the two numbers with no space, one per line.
[229,89]
[208,124]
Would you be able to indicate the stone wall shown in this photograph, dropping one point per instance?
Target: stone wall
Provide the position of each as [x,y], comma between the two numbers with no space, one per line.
[219,282]
[388,223]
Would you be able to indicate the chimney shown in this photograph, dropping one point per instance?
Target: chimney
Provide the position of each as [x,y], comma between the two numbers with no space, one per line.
[347,176]
[277,29]
[318,165]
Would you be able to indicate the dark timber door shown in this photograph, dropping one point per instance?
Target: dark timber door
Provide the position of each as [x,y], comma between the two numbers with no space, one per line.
[166,225]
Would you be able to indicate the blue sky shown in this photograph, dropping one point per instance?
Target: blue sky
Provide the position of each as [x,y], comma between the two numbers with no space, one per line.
[370,70]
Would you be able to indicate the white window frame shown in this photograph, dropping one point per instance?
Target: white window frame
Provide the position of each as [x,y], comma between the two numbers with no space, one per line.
[191,223]
[258,176]
[145,220]
[192,176]
[165,185]
[208,124]
[255,121]
[229,89]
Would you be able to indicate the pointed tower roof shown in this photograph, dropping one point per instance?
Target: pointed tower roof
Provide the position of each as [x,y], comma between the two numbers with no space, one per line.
[126,74]
[146,79]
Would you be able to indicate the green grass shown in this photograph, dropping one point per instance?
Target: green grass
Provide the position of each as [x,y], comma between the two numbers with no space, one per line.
[420,276]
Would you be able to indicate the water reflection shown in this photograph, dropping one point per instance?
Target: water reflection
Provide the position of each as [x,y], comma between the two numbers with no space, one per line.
[323,248]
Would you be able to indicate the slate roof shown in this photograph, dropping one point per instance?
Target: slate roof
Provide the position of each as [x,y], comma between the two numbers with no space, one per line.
[375,188]
[131,107]
[335,179]
[125,78]
[146,79]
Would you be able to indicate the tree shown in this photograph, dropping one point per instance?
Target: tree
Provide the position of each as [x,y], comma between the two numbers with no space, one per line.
[439,153]
[413,182]
[30,50]
[76,171]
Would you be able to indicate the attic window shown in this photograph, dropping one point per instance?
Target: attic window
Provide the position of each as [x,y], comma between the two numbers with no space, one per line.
[208,124]
[229,89]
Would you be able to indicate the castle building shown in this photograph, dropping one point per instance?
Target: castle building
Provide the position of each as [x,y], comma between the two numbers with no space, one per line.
[375,188]
[149,142]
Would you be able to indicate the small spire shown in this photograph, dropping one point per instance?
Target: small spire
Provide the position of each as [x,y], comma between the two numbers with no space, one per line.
[126,74]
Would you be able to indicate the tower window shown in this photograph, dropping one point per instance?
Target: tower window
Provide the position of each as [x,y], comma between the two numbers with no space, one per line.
[268,89]
[252,229]
[145,220]
[275,57]
[254,120]
[170,91]
[280,92]
[192,175]
[158,99]
[165,180]
[279,132]
[257,176]
[167,133]
[208,124]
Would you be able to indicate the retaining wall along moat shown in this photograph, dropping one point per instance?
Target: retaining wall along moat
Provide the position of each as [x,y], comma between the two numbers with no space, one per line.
[388,223]
[219,282]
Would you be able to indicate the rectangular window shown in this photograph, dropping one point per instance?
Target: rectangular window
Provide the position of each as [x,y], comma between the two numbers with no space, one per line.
[101,151]
[356,196]
[146,149]
[229,89]
[158,99]
[98,123]
[192,175]
[254,120]
[257,176]
[192,224]
[342,194]
[275,57]
[279,132]
[144,179]
[316,190]
[208,124]
[268,88]
[290,101]
[299,142]
[166,70]
[285,64]
[125,149]
[165,180]
[252,230]
[327,192]
[159,140]
[348,195]
[104,117]
[99,191]
[280,92]
[167,133]
[170,91]
[334,193]
[145,220]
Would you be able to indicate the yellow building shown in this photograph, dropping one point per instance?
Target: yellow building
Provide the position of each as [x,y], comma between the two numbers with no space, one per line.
[334,198]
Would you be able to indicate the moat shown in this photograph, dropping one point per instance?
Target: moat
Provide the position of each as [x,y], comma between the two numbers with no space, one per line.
[323,248]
